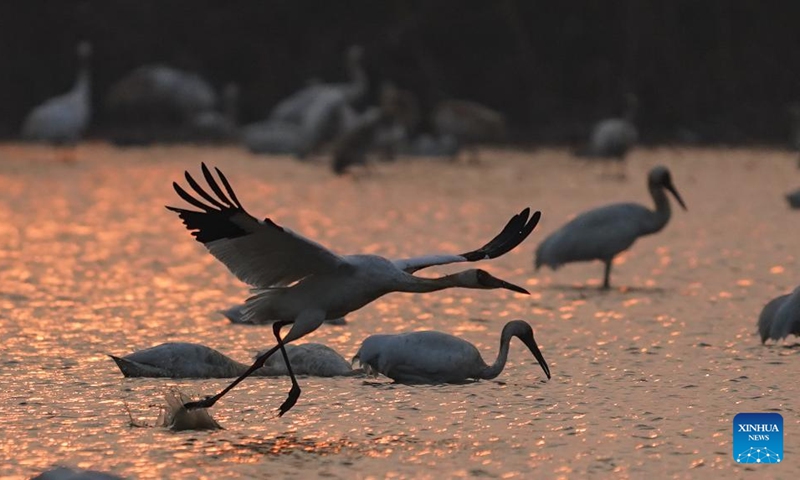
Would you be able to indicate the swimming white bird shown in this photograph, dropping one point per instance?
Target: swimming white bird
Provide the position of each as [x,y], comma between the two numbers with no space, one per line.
[301,283]
[192,360]
[780,317]
[436,357]
[63,119]
[604,232]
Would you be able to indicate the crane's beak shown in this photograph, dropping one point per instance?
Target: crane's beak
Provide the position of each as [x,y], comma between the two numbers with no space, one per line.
[674,192]
[534,348]
[494,282]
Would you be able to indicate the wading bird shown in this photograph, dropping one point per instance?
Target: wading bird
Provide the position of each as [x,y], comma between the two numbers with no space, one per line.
[436,357]
[192,360]
[604,232]
[469,123]
[62,120]
[780,317]
[612,138]
[794,198]
[301,283]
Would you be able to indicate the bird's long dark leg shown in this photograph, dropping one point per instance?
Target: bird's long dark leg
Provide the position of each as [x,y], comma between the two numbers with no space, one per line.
[294,393]
[210,401]
[607,275]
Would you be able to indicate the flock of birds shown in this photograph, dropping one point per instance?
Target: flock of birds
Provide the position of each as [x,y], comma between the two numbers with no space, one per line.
[301,284]
[160,103]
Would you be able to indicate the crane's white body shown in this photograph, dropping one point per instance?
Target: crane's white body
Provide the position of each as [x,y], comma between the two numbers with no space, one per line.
[191,360]
[612,137]
[63,119]
[316,114]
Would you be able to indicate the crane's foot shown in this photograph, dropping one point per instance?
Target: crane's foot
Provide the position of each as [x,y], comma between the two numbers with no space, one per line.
[294,394]
[204,403]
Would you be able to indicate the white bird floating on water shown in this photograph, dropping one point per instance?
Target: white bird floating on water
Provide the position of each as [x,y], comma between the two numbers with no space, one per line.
[63,119]
[604,232]
[192,360]
[301,283]
[436,357]
[780,317]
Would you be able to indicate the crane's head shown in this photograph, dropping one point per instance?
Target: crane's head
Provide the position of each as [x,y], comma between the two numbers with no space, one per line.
[484,279]
[84,50]
[522,330]
[660,177]
[355,53]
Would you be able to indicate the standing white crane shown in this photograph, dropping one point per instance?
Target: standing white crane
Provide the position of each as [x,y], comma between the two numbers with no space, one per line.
[301,283]
[602,233]
[436,357]
[612,138]
[62,120]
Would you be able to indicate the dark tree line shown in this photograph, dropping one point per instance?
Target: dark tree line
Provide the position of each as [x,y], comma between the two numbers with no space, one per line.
[708,70]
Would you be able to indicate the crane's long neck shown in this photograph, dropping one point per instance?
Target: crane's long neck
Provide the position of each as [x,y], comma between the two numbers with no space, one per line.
[493,370]
[414,284]
[661,215]
[359,84]
[83,82]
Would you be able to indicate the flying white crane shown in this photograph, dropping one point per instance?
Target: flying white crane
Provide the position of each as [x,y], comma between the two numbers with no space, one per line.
[436,357]
[301,283]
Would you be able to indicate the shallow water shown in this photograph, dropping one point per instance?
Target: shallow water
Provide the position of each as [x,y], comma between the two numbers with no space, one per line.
[646,377]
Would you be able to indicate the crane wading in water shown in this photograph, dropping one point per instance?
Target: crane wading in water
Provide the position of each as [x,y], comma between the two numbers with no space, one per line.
[604,232]
[62,120]
[437,357]
[301,283]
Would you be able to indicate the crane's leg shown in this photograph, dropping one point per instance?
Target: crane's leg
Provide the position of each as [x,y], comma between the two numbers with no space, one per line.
[607,275]
[294,393]
[210,401]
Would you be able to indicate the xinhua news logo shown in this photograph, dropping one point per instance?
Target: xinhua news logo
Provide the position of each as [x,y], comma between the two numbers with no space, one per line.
[758,438]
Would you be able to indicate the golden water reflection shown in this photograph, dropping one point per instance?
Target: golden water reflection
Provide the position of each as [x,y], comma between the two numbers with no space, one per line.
[645,377]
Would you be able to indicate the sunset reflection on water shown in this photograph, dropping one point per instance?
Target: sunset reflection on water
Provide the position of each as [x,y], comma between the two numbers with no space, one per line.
[645,377]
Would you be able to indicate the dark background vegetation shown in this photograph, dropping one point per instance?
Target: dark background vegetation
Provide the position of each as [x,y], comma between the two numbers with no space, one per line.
[704,70]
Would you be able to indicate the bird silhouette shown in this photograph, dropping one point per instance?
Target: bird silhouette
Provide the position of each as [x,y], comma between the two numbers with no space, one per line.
[192,360]
[62,120]
[613,138]
[780,317]
[469,123]
[603,233]
[436,357]
[301,283]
